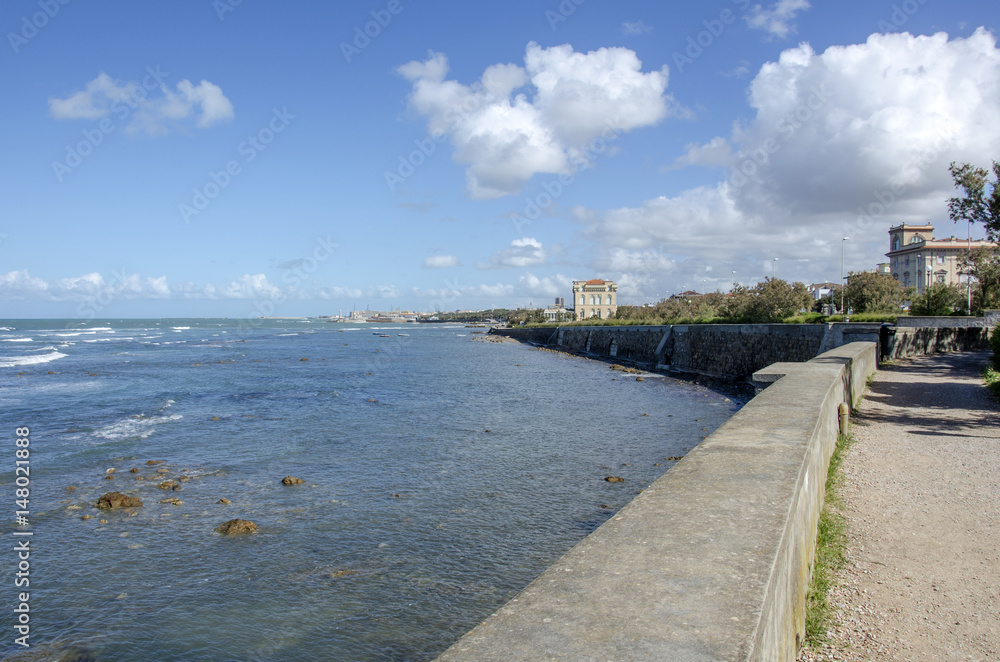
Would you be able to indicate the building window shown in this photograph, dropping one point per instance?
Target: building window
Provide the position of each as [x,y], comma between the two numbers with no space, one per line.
[583,299]
[895,244]
[906,278]
[907,260]
[940,259]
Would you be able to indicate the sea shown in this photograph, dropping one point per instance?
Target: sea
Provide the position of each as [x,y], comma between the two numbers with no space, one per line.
[442,471]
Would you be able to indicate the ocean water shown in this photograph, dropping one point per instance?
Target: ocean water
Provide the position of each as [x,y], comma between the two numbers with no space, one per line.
[442,473]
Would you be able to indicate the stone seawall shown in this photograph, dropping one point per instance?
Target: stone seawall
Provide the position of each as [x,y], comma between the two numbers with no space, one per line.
[710,562]
[733,352]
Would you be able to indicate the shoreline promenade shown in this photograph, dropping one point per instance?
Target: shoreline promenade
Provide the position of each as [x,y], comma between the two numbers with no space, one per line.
[920,490]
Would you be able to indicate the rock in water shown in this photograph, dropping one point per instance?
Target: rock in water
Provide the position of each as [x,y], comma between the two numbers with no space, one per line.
[235,526]
[615,479]
[291,480]
[113,500]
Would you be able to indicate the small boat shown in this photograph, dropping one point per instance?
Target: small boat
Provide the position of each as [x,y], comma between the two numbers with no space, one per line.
[383,335]
[402,334]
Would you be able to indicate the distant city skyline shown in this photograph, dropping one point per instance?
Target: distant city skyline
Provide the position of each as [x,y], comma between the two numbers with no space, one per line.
[243,159]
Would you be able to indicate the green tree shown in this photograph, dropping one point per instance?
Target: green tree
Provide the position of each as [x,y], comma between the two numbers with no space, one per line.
[938,299]
[981,200]
[983,264]
[872,292]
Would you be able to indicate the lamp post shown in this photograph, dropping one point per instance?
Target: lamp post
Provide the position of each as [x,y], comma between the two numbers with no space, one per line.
[774,267]
[733,285]
[968,276]
[842,284]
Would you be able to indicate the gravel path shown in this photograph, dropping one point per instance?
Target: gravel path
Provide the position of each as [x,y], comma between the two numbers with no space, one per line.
[921,494]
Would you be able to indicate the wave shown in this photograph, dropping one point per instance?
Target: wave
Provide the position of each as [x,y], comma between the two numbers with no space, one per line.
[180,328]
[47,348]
[134,427]
[12,361]
[16,340]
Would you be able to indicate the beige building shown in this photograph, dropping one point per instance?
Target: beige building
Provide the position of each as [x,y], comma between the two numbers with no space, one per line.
[595,298]
[916,257]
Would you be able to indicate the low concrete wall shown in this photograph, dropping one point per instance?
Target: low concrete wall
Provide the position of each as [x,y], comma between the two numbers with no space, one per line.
[710,562]
[916,341]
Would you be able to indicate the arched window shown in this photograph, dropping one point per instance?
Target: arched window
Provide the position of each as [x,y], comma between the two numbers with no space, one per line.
[609,299]
[583,299]
[895,243]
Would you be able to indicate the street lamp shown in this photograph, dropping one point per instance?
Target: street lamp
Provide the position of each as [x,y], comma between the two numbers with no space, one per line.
[774,266]
[842,284]
[733,286]
[968,276]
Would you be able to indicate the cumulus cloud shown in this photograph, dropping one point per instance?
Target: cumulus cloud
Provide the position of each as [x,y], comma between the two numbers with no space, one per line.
[440,261]
[843,143]
[778,20]
[515,122]
[148,106]
[524,252]
[20,285]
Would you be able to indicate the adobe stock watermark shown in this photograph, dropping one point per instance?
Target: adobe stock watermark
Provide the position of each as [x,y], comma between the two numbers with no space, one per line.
[223,7]
[363,35]
[786,127]
[900,15]
[92,306]
[407,165]
[219,180]
[555,187]
[715,27]
[562,12]
[265,306]
[94,137]
[30,26]
[885,198]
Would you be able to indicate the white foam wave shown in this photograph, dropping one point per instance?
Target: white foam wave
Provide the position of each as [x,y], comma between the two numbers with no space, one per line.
[286,334]
[47,348]
[11,361]
[180,328]
[16,340]
[134,428]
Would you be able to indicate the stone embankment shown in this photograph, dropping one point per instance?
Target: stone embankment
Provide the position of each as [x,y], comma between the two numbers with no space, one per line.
[733,352]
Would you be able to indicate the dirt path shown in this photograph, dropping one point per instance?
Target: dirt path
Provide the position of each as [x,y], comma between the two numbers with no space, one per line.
[921,494]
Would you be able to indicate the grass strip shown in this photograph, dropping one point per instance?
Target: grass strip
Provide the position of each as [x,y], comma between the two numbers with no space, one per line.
[831,544]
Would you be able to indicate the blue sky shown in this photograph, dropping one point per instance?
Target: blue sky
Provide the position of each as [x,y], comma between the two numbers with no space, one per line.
[224,158]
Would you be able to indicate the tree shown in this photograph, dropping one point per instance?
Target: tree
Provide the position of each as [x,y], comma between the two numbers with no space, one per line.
[981,202]
[983,264]
[938,299]
[872,292]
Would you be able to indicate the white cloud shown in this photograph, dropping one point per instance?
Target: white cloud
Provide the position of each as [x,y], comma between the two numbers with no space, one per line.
[440,261]
[843,143]
[20,285]
[516,122]
[778,20]
[524,252]
[134,104]
[550,287]
[250,286]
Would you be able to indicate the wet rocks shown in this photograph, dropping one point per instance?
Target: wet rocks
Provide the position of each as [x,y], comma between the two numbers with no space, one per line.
[291,480]
[169,485]
[152,462]
[615,479]
[113,500]
[173,500]
[235,527]
[224,501]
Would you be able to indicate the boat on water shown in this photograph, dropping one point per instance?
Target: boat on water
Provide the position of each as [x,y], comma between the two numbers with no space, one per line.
[402,334]
[383,335]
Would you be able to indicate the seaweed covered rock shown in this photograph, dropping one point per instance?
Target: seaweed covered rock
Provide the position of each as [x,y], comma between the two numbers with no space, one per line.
[236,526]
[291,480]
[112,500]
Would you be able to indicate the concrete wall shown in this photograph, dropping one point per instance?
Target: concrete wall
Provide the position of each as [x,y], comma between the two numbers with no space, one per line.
[710,562]
[916,341]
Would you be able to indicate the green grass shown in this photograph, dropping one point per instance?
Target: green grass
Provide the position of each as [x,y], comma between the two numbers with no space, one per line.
[992,378]
[831,543]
